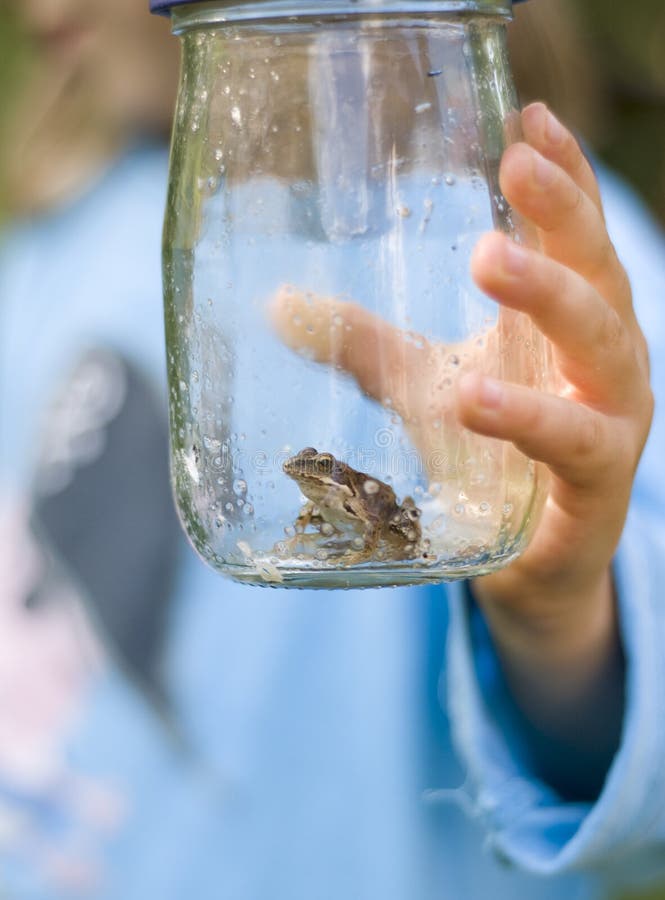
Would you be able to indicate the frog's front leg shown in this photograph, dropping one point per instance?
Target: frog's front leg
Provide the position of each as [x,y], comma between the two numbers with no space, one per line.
[301,541]
[310,514]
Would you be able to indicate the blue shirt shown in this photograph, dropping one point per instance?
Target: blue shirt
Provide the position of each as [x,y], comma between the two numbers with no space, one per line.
[317,744]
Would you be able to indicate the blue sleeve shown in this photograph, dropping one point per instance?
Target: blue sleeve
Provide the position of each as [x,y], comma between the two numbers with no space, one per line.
[527,821]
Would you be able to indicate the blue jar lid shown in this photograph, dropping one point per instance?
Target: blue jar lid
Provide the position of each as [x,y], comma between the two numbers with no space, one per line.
[164,6]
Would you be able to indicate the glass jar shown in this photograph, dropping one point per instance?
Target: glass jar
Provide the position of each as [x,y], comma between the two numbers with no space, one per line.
[333,164]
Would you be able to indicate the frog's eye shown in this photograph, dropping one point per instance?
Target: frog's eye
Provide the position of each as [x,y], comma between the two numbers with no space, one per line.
[326,461]
[308,452]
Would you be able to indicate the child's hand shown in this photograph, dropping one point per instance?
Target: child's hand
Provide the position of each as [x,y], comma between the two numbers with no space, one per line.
[552,611]
[592,434]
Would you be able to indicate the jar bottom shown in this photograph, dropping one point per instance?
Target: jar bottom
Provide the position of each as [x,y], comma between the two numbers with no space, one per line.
[266,572]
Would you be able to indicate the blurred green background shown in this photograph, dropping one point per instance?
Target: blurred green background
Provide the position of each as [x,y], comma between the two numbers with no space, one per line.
[628,41]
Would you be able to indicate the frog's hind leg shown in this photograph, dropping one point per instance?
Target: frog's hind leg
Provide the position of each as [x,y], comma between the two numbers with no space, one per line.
[304,541]
[363,547]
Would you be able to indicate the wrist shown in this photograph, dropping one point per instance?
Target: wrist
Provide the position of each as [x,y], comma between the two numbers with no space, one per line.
[553,628]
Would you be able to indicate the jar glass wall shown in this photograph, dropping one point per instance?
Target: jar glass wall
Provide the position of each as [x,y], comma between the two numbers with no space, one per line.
[330,176]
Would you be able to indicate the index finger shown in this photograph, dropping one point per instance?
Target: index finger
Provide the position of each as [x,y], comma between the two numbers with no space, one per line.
[381,357]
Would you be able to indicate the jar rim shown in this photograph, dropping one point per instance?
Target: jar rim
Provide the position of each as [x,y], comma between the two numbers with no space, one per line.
[201,13]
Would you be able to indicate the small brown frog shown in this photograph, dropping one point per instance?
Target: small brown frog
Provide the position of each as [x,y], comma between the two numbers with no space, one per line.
[342,499]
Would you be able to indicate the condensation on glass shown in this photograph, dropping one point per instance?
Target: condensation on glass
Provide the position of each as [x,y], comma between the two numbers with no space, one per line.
[332,168]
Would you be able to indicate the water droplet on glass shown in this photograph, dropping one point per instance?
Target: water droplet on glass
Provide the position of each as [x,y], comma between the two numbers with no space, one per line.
[326,528]
[370,486]
[450,180]
[358,543]
[240,486]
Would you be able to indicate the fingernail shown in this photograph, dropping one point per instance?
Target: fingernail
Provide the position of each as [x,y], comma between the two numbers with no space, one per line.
[514,259]
[490,393]
[554,130]
[544,172]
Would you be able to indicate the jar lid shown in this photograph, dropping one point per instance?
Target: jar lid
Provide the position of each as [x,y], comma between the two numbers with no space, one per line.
[163,7]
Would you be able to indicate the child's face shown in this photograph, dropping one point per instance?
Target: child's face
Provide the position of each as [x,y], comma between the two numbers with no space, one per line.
[112,51]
